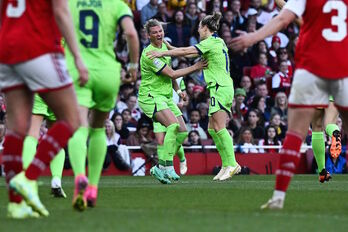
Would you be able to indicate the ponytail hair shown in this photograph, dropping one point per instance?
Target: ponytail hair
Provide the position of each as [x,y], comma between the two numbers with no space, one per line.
[212,21]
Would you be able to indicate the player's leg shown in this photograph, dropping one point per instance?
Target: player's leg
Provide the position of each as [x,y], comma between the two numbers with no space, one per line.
[220,104]
[104,87]
[56,165]
[31,141]
[158,171]
[19,103]
[332,130]
[318,144]
[181,136]
[96,154]
[307,91]
[168,119]
[226,144]
[54,85]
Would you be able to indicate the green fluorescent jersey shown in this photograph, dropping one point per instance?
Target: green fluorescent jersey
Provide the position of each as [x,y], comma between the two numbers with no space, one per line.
[152,81]
[95,23]
[215,51]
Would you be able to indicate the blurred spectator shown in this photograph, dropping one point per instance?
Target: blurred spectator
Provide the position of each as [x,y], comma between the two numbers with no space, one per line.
[262,16]
[237,20]
[246,84]
[239,109]
[2,136]
[273,58]
[270,138]
[247,141]
[259,103]
[214,6]
[148,11]
[283,55]
[281,128]
[142,135]
[191,17]
[258,48]
[336,165]
[162,14]
[143,39]
[2,109]
[178,32]
[203,112]
[251,16]
[193,139]
[112,138]
[193,124]
[284,40]
[128,121]
[281,81]
[261,90]
[258,71]
[239,61]
[120,128]
[281,106]
[254,123]
[131,105]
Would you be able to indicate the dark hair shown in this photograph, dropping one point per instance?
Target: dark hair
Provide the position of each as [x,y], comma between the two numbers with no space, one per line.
[212,21]
[275,139]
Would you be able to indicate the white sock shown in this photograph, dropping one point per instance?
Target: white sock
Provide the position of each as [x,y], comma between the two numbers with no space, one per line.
[56,182]
[278,195]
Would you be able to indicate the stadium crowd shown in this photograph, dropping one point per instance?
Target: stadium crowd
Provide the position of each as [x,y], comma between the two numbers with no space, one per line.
[262,74]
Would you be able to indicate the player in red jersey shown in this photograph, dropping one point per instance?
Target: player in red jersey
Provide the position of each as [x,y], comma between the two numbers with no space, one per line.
[32,60]
[322,70]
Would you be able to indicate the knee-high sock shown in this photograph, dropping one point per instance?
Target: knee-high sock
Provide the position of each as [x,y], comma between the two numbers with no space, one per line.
[289,159]
[170,143]
[77,148]
[12,159]
[55,139]
[180,138]
[318,146]
[227,144]
[57,164]
[160,153]
[219,147]
[330,128]
[29,150]
[96,154]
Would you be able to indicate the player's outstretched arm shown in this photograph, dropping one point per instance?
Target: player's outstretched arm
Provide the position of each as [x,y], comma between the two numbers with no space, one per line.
[174,74]
[64,21]
[184,51]
[133,45]
[275,25]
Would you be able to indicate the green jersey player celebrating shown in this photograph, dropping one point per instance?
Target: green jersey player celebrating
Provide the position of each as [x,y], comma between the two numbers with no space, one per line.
[220,85]
[155,99]
[39,113]
[96,23]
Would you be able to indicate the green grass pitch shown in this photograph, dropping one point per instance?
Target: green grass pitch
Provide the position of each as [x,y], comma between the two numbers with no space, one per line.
[196,203]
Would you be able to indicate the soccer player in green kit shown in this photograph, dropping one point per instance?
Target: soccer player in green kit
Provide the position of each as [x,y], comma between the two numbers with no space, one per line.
[220,85]
[325,118]
[39,113]
[156,101]
[96,23]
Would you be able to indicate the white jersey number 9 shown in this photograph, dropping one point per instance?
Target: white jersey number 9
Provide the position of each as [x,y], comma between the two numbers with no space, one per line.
[339,21]
[13,11]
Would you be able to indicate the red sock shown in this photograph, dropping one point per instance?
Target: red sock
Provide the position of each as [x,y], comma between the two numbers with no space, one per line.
[12,159]
[289,159]
[55,139]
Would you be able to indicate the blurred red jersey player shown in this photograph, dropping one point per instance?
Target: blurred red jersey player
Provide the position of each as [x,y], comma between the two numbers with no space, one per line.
[32,60]
[322,70]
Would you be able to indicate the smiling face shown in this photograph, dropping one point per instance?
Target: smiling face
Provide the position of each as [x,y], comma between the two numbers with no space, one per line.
[156,35]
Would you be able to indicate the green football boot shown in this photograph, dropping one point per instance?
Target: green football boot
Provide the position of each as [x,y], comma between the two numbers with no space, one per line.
[159,174]
[28,190]
[20,211]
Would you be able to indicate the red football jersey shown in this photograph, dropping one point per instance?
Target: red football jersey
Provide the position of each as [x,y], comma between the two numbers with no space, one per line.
[28,29]
[323,41]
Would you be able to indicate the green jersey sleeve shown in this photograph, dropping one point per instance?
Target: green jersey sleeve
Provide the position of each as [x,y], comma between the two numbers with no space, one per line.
[123,11]
[203,47]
